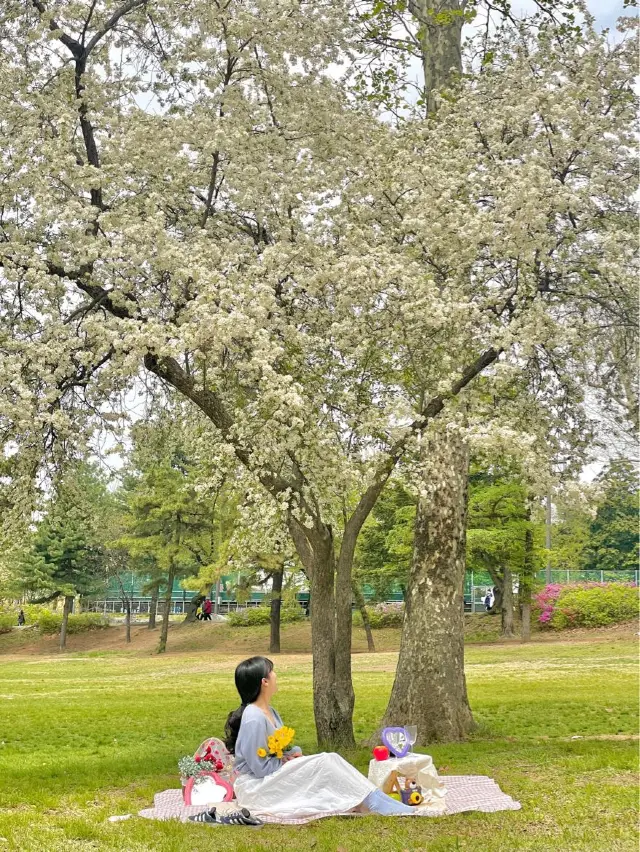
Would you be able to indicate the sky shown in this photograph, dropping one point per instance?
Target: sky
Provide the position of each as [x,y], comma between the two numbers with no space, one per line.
[606,12]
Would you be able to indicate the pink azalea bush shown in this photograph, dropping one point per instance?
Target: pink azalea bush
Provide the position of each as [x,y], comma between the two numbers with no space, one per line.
[586,604]
[545,601]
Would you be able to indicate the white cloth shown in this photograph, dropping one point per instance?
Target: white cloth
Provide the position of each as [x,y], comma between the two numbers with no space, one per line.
[319,784]
[417,767]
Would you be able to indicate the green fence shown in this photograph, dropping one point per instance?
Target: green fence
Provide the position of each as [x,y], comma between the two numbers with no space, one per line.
[476,585]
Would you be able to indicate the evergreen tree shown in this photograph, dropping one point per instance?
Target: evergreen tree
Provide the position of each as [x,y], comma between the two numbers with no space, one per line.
[386,543]
[613,534]
[67,555]
[169,517]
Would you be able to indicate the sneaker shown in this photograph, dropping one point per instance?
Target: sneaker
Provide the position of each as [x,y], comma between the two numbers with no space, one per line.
[241,817]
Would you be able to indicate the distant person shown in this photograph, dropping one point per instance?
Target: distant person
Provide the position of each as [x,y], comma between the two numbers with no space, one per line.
[206,610]
[488,600]
[21,619]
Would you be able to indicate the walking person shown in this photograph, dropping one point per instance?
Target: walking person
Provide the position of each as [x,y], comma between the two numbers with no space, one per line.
[206,609]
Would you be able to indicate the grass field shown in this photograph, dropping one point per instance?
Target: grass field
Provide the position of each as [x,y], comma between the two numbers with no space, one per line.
[87,735]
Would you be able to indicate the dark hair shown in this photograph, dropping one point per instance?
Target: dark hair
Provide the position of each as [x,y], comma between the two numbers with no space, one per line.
[249,674]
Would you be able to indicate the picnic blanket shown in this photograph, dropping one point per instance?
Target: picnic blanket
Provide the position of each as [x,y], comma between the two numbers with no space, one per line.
[464,793]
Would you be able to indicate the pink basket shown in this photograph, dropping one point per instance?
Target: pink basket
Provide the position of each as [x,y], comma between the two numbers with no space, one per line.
[188,787]
[224,776]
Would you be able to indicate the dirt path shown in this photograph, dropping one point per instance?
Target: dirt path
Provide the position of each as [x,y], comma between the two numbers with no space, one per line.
[220,638]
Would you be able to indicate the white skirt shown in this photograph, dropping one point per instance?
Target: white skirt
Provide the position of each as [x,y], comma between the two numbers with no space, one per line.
[320,784]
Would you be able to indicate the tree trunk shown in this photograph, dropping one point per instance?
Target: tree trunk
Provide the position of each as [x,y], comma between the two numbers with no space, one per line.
[127,619]
[333,696]
[68,604]
[440,44]
[497,595]
[525,620]
[430,690]
[276,606]
[526,582]
[153,607]
[360,603]
[162,647]
[194,603]
[506,611]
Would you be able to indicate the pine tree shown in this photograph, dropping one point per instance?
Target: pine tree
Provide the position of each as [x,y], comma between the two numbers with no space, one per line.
[66,556]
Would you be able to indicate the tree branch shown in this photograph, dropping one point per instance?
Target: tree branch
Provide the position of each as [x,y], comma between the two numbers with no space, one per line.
[388,463]
[74,46]
[209,403]
[127,7]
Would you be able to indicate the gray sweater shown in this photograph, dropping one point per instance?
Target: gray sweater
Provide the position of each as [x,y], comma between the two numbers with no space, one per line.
[254,730]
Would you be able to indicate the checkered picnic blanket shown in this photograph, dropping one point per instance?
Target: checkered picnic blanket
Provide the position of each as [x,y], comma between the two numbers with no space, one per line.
[464,793]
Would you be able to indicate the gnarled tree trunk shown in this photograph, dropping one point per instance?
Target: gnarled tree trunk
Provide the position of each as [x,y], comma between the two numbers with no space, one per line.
[276,606]
[430,690]
[68,606]
[194,603]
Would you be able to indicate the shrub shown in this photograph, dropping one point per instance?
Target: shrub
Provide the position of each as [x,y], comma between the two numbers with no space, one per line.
[50,622]
[31,612]
[382,615]
[587,604]
[262,615]
[7,622]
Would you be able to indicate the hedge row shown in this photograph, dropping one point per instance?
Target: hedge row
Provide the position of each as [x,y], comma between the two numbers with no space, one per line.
[587,604]
[382,615]
[262,615]
[51,622]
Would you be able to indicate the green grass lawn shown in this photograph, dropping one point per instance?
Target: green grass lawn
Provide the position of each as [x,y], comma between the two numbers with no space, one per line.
[85,736]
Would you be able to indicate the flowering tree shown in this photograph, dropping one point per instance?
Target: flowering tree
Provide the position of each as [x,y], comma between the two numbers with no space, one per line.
[185,188]
[514,118]
[161,192]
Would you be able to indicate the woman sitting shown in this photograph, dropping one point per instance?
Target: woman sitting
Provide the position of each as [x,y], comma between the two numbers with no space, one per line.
[293,786]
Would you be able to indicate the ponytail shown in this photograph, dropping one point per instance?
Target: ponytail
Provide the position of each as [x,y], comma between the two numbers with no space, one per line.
[232,728]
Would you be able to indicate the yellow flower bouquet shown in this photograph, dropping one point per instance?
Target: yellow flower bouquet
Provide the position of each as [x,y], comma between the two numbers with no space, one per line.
[278,743]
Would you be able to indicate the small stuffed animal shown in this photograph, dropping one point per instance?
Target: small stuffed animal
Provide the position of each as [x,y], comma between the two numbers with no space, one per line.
[412,794]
